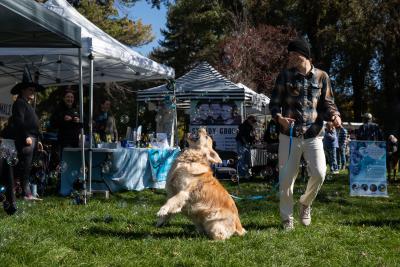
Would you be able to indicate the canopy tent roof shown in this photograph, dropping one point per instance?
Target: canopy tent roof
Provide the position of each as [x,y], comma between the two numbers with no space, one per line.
[25,23]
[113,61]
[204,82]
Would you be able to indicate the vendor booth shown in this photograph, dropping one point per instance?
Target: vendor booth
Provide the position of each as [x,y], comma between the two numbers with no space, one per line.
[102,59]
[211,100]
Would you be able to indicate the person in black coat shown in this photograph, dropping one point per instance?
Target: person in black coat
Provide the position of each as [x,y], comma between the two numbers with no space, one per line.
[66,120]
[25,125]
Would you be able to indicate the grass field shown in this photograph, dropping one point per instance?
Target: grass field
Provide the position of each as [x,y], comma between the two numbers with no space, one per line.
[346,231]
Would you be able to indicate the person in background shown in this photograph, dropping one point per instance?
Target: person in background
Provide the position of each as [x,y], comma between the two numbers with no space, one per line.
[303,99]
[392,159]
[245,138]
[369,131]
[66,120]
[105,124]
[343,142]
[25,123]
[331,145]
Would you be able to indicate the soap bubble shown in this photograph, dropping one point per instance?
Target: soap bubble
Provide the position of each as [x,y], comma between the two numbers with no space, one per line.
[124,119]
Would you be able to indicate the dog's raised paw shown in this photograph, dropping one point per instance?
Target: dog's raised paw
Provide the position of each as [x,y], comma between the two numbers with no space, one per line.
[162,212]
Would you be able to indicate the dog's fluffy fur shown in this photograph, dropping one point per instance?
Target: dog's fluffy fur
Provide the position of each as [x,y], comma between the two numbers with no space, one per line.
[193,190]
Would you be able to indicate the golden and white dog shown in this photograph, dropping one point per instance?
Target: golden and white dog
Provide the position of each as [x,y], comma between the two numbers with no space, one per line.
[193,190]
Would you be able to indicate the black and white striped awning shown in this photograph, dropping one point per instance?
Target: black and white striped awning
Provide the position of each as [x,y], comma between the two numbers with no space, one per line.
[204,82]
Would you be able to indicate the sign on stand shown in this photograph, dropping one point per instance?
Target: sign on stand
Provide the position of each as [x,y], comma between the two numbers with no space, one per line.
[224,136]
[368,169]
[221,118]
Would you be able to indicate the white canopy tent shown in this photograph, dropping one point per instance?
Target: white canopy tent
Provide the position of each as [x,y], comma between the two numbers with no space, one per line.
[26,24]
[108,60]
[22,24]
[104,60]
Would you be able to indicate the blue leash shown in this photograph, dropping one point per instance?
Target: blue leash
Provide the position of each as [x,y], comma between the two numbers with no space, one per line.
[275,187]
[291,137]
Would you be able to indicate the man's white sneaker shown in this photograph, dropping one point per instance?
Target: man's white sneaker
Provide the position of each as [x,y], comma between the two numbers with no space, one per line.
[305,215]
[288,225]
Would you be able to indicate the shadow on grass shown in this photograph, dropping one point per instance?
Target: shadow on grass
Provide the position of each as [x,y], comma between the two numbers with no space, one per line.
[188,231]
[258,226]
[392,223]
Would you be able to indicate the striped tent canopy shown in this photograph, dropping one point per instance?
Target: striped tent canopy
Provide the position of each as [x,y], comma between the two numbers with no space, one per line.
[204,82]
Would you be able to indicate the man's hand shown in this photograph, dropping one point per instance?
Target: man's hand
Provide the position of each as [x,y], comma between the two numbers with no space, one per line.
[285,121]
[337,121]
[40,146]
[28,141]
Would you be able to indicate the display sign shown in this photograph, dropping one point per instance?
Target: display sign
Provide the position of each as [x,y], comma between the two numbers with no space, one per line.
[368,168]
[224,136]
[215,112]
[5,109]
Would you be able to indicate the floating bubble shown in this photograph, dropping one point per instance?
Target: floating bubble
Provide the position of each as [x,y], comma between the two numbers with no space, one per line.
[105,168]
[124,119]
[74,173]
[53,175]
[122,204]
[12,161]
[62,167]
[81,170]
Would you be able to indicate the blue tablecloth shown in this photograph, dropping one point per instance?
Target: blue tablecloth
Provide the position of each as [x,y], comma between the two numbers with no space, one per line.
[131,168]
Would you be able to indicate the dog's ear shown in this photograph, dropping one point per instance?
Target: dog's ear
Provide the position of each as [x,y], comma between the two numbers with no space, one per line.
[213,157]
[198,168]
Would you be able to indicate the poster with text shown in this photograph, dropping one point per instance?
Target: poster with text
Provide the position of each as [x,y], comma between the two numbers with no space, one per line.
[215,112]
[224,136]
[368,169]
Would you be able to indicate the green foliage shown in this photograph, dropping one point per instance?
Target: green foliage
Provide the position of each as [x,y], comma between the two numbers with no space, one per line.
[194,28]
[346,231]
[106,17]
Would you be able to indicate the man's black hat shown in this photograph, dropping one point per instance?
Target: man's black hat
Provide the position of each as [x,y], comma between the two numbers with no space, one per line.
[26,82]
[300,46]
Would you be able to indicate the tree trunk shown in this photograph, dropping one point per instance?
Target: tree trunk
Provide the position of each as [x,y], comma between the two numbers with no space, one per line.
[358,74]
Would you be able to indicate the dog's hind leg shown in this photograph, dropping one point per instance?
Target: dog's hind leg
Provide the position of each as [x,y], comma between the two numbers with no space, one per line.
[174,205]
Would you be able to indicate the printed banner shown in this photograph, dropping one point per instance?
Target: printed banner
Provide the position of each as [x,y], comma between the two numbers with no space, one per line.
[161,161]
[224,136]
[5,109]
[368,168]
[215,112]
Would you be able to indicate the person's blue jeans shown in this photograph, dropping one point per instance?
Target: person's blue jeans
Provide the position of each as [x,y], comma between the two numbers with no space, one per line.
[341,157]
[243,160]
[332,158]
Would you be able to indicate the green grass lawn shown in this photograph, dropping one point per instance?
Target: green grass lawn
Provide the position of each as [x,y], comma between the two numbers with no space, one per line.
[346,231]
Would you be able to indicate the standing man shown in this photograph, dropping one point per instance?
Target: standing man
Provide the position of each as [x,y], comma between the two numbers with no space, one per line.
[303,96]
[369,131]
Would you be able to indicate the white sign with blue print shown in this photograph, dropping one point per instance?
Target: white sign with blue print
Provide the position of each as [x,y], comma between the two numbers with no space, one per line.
[368,169]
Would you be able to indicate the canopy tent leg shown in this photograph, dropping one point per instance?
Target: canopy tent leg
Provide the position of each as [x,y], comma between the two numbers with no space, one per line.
[82,128]
[90,123]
